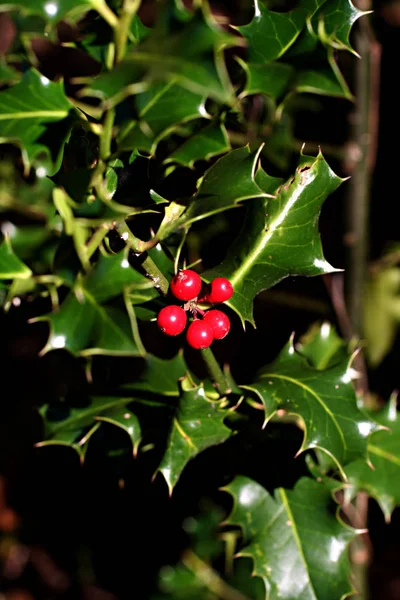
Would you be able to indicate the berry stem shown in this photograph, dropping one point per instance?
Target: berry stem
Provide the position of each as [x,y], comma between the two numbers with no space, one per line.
[215,372]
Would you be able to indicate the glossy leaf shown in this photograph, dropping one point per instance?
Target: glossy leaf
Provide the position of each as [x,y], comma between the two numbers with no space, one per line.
[197,425]
[324,399]
[54,11]
[97,329]
[70,426]
[229,181]
[334,21]
[279,238]
[161,376]
[111,275]
[202,145]
[11,267]
[27,109]
[298,546]
[383,481]
[269,34]
[159,113]
[322,346]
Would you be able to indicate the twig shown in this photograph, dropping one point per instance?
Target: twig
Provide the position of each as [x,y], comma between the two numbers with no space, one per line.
[216,373]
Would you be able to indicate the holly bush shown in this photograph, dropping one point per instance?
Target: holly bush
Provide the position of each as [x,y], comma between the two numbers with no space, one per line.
[140,140]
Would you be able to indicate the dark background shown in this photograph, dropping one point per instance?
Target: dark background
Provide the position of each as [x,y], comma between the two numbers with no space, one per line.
[102,530]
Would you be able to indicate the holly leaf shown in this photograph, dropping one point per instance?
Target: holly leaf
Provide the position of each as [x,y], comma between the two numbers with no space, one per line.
[298,546]
[53,12]
[11,267]
[279,237]
[161,376]
[197,425]
[26,111]
[382,482]
[270,34]
[325,401]
[229,181]
[202,145]
[322,346]
[159,114]
[99,326]
[334,21]
[73,427]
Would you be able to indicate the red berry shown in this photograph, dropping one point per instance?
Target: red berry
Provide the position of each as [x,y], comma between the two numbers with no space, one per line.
[219,323]
[172,320]
[186,285]
[199,335]
[221,290]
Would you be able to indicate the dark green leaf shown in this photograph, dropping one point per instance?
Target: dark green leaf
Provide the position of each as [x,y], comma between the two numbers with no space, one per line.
[383,481]
[159,113]
[70,426]
[229,181]
[161,376]
[197,425]
[26,110]
[111,275]
[324,399]
[322,346]
[337,17]
[270,34]
[279,238]
[298,546]
[54,11]
[10,265]
[83,326]
[204,144]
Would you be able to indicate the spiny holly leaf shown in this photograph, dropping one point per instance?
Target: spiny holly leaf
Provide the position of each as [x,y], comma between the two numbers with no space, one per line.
[197,425]
[324,399]
[334,21]
[202,145]
[27,109]
[298,546]
[73,426]
[229,181]
[279,238]
[322,346]
[111,275]
[159,113]
[11,267]
[55,11]
[98,328]
[269,34]
[161,376]
[382,482]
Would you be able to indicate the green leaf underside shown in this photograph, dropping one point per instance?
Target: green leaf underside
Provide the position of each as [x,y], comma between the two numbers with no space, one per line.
[11,267]
[279,237]
[197,425]
[229,181]
[26,110]
[72,429]
[159,113]
[325,401]
[298,546]
[382,482]
[161,375]
[203,145]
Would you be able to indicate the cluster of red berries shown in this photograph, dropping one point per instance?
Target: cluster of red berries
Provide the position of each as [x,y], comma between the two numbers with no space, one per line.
[214,325]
